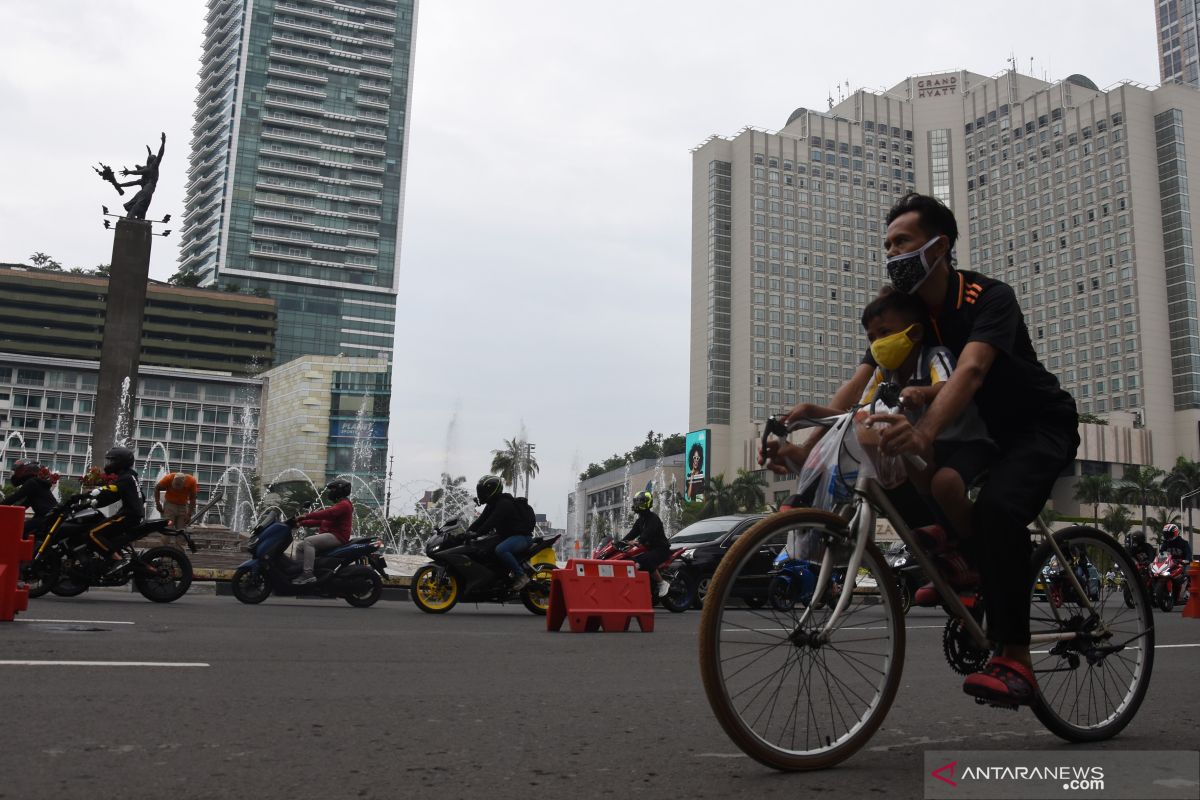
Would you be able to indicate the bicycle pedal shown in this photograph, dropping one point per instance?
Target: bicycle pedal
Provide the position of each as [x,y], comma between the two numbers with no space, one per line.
[993,704]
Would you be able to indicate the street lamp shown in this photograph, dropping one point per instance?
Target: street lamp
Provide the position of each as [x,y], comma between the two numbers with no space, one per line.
[1181,499]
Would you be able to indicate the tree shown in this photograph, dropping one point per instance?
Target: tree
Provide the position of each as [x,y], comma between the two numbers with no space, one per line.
[673,445]
[512,461]
[1141,485]
[1091,419]
[1116,521]
[649,449]
[185,278]
[40,259]
[719,499]
[1094,490]
[1183,478]
[748,490]
[1162,519]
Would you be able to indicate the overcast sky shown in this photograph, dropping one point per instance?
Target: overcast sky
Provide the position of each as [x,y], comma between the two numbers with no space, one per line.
[545,266]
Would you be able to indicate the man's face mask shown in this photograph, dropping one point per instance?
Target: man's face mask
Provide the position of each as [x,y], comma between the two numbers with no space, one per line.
[909,270]
[890,352]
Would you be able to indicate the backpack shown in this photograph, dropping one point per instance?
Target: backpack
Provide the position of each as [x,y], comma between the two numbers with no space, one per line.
[527,516]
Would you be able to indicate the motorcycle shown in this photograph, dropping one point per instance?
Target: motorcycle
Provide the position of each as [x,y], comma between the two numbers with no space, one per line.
[908,572]
[66,564]
[1059,589]
[352,571]
[466,568]
[1169,580]
[793,581]
[681,592]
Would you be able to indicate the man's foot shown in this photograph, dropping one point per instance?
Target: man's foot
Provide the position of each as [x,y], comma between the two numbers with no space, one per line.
[957,571]
[1003,682]
[303,578]
[664,588]
[520,583]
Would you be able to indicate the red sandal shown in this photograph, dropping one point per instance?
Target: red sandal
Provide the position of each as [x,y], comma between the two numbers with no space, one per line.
[933,538]
[957,571]
[1003,682]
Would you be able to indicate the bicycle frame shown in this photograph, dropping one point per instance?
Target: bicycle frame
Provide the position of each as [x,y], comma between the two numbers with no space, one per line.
[869,496]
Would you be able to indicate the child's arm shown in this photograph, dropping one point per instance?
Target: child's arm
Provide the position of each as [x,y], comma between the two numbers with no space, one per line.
[915,397]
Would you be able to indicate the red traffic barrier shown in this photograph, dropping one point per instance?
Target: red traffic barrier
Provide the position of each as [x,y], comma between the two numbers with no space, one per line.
[593,595]
[14,548]
[1192,609]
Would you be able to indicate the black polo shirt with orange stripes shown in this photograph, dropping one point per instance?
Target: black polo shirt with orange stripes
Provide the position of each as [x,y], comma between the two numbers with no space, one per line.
[1017,389]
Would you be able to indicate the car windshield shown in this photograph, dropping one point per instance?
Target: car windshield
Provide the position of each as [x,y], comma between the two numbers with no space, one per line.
[704,531]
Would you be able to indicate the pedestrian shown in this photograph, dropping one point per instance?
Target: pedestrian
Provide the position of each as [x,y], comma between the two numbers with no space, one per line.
[180,504]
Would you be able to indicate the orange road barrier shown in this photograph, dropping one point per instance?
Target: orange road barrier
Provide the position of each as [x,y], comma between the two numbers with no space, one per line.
[593,595]
[14,548]
[1192,609]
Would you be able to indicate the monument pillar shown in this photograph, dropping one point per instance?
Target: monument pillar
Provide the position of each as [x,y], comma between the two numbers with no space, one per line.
[121,346]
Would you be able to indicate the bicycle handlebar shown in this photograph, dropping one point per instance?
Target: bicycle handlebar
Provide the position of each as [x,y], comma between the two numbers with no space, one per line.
[777,427]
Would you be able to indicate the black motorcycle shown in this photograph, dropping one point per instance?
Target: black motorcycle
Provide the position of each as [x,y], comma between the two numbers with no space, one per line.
[352,571]
[467,569]
[66,563]
[908,572]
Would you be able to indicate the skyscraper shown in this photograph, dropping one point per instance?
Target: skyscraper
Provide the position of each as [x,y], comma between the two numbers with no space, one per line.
[1076,197]
[295,186]
[1178,48]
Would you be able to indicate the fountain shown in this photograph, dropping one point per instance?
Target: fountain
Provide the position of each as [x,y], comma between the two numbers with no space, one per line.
[121,433]
[164,470]
[4,447]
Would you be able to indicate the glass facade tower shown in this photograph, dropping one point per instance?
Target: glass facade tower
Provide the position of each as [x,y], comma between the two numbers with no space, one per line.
[296,181]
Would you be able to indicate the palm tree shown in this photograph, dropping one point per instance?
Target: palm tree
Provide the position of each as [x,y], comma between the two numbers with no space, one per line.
[1094,490]
[1117,521]
[718,498]
[1182,479]
[514,460]
[1164,518]
[1143,486]
[748,490]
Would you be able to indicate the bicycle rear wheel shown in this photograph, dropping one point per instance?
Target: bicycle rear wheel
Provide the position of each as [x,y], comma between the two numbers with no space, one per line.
[1091,685]
[786,696]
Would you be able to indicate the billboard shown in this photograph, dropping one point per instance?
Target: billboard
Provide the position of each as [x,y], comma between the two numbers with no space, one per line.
[695,465]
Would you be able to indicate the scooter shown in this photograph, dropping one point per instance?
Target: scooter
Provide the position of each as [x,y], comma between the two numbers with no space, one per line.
[1169,581]
[793,581]
[352,571]
[681,591]
[909,575]
[466,568]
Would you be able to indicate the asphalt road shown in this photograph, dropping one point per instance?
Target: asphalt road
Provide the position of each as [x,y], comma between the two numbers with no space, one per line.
[318,699]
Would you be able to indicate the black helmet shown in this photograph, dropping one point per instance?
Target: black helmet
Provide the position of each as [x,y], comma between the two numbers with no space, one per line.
[1137,537]
[23,470]
[642,501]
[488,488]
[338,488]
[118,458]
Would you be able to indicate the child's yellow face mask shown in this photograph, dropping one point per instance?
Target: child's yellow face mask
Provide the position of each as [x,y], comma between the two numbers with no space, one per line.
[891,351]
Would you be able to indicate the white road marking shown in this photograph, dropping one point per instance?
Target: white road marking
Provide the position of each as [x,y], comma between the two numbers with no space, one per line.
[81,621]
[19,663]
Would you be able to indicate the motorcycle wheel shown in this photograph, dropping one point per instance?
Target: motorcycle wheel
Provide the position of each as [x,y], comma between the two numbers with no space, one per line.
[779,594]
[682,593]
[173,578]
[250,587]
[431,596]
[755,601]
[1128,596]
[368,597]
[536,595]
[40,584]
[906,595]
[1163,598]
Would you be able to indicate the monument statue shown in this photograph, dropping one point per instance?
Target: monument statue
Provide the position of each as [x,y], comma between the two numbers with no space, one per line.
[136,207]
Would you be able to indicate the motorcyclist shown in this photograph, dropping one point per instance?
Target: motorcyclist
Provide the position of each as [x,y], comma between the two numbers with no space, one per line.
[33,484]
[336,523]
[648,529]
[1175,544]
[1141,550]
[112,534]
[501,515]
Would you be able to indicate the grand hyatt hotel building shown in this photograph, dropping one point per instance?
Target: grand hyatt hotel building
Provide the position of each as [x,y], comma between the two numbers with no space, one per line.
[1079,198]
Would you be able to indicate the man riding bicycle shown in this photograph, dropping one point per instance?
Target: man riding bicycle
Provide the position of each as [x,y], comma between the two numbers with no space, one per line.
[1030,417]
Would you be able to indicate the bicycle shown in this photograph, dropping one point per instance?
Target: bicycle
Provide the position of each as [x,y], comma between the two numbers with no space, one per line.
[807,687]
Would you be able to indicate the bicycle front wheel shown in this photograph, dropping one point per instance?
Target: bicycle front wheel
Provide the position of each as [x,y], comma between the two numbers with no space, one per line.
[1092,680]
[788,696]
